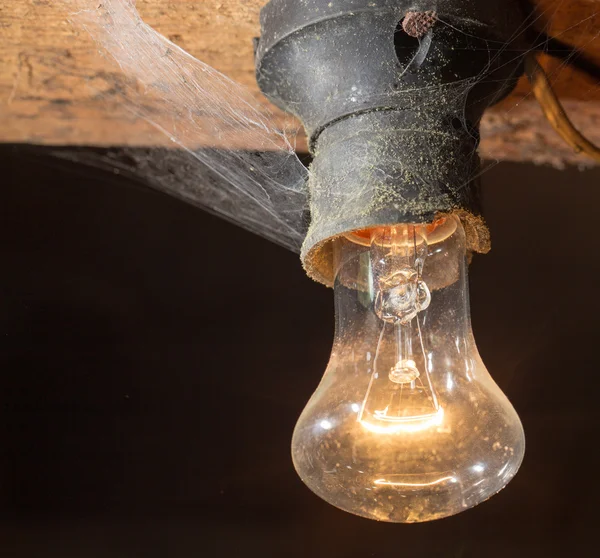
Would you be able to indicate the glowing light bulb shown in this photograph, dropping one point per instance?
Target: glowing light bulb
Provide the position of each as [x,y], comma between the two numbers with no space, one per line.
[407,425]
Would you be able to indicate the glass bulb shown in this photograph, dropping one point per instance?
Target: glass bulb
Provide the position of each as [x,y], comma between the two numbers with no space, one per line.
[406,425]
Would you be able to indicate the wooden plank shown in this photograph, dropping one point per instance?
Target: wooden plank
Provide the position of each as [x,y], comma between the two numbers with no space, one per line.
[55,88]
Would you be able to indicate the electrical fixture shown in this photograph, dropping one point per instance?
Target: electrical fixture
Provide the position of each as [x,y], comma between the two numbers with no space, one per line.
[406,425]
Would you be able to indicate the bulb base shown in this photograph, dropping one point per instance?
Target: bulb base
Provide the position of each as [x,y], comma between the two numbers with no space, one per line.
[383,168]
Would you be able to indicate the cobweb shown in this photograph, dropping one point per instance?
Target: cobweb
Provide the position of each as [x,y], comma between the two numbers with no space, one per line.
[194,105]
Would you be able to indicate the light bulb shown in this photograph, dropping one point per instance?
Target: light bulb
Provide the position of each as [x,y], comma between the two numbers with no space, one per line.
[406,425]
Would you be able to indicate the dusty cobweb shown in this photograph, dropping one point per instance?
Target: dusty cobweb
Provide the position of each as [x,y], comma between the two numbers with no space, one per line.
[194,105]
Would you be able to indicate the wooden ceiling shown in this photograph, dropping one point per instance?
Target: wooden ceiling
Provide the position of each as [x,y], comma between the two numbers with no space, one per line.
[47,66]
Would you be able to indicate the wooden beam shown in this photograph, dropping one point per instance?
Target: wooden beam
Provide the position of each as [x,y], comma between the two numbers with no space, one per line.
[55,88]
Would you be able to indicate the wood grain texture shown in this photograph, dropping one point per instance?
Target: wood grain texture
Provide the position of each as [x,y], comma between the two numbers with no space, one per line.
[55,88]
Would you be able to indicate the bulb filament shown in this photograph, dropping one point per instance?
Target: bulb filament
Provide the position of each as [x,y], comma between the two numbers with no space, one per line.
[401,399]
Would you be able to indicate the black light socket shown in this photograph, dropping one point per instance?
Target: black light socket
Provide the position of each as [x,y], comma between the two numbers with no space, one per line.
[392,118]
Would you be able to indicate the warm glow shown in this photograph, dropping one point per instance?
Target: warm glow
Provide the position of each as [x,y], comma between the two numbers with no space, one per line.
[394,425]
[384,482]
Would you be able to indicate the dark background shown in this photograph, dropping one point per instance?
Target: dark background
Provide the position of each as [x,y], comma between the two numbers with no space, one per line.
[154,360]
